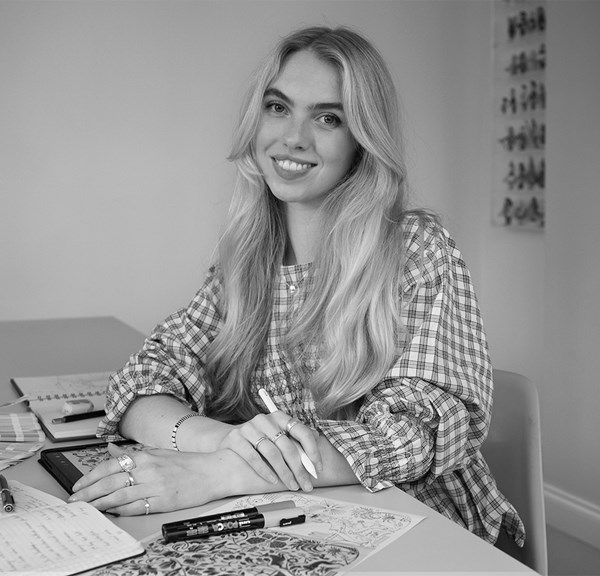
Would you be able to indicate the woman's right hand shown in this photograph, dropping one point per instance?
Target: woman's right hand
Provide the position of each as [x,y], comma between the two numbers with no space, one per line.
[269,444]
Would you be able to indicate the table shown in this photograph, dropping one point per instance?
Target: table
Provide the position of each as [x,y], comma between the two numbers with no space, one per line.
[61,346]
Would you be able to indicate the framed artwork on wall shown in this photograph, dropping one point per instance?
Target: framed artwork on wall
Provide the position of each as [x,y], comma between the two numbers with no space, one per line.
[519,128]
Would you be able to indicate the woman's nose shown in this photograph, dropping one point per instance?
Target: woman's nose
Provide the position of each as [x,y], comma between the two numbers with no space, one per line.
[297,135]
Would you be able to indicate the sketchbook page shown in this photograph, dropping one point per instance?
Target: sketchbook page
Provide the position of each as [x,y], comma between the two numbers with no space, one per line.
[336,537]
[62,540]
[27,499]
[77,430]
[366,528]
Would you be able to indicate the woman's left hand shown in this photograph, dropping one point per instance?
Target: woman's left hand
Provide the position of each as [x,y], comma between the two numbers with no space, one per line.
[149,480]
[269,444]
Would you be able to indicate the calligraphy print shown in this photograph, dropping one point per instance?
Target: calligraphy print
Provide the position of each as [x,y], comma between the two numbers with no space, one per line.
[519,136]
[252,553]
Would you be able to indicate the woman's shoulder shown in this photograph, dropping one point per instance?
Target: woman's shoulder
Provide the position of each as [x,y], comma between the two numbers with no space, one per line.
[428,246]
[423,231]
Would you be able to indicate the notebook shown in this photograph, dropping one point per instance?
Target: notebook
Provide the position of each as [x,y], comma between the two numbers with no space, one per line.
[46,396]
[45,535]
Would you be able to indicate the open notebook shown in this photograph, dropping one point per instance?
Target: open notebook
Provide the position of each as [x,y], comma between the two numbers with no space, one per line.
[47,395]
[45,535]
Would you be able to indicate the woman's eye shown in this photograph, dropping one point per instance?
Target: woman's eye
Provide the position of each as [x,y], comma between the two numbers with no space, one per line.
[276,107]
[330,120]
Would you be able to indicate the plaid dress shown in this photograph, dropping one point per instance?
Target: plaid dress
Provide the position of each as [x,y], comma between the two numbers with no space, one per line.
[419,429]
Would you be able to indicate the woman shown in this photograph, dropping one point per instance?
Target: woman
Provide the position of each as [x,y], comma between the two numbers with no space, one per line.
[355,314]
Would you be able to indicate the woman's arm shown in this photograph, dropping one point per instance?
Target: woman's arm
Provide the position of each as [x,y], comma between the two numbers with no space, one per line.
[150,420]
[171,480]
[172,362]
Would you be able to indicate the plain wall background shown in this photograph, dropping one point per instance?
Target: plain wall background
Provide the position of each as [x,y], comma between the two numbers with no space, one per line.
[116,120]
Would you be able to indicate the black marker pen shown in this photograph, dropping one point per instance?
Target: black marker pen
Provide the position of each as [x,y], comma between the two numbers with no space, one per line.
[78,416]
[269,519]
[229,515]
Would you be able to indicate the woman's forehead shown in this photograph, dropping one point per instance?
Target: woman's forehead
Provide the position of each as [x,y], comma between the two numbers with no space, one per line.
[309,77]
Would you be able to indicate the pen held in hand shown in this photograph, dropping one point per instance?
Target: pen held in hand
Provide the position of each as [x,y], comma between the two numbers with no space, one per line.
[306,461]
[81,416]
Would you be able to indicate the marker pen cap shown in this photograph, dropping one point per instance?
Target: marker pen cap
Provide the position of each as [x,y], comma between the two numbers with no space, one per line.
[274,518]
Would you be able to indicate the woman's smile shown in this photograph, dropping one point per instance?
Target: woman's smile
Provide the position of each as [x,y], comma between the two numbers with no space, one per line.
[289,169]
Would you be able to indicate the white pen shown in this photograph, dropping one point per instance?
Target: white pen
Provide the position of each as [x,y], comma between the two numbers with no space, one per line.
[306,461]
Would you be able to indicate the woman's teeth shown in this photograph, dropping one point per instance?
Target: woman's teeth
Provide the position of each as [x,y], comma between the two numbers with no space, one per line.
[292,166]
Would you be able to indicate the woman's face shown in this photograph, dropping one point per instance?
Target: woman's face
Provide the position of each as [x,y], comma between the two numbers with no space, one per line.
[303,144]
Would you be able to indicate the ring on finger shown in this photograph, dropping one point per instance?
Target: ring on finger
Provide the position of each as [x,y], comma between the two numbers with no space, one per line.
[125,462]
[257,443]
[146,506]
[130,481]
[291,423]
[278,436]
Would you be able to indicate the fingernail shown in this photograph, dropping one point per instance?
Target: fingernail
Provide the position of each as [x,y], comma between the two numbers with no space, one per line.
[73,498]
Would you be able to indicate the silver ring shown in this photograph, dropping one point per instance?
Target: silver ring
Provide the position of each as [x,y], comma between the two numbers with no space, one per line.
[278,436]
[257,443]
[126,463]
[146,506]
[291,423]
[129,482]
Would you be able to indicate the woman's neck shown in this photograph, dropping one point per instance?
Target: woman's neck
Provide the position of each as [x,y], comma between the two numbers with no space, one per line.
[303,228]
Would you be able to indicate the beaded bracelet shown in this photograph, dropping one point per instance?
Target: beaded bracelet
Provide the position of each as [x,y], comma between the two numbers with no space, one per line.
[176,427]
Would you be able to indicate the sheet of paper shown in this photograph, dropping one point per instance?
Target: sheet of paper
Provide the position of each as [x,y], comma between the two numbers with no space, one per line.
[337,535]
[13,452]
[46,535]
[367,528]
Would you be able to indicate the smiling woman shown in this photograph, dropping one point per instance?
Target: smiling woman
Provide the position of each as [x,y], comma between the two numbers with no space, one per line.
[356,315]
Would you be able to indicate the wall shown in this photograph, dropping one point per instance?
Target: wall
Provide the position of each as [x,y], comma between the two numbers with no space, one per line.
[539,291]
[116,121]
[571,394]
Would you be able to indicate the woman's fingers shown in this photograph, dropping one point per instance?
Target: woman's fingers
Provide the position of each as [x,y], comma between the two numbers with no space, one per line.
[305,436]
[107,468]
[285,461]
[260,442]
[239,440]
[141,506]
[288,449]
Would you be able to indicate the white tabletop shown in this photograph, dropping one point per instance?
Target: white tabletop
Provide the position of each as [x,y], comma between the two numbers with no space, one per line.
[50,347]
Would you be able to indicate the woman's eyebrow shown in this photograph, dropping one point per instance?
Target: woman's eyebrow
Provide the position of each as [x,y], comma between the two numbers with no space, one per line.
[317,106]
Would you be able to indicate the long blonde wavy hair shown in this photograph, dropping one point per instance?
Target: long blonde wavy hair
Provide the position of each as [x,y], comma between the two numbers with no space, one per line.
[350,311]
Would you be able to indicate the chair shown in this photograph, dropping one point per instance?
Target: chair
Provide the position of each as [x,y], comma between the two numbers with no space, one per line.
[513,452]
